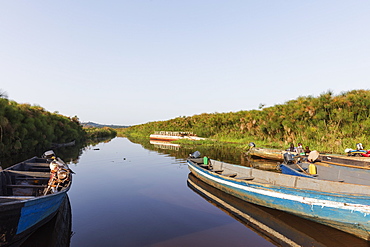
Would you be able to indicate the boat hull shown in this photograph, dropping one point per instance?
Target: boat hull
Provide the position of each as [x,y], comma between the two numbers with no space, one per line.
[20,219]
[280,228]
[349,213]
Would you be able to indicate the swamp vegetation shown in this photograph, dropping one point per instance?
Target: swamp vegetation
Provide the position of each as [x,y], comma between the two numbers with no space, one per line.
[26,128]
[327,123]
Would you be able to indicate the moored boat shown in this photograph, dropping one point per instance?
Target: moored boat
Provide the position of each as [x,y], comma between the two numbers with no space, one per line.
[174,135]
[31,192]
[339,160]
[268,153]
[280,228]
[341,205]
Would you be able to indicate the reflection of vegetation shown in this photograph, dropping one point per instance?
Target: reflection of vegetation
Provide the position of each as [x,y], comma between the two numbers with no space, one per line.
[327,123]
[220,151]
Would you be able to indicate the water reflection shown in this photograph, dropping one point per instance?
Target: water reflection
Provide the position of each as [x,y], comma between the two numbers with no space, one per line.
[219,151]
[278,227]
[165,145]
[69,154]
[57,232]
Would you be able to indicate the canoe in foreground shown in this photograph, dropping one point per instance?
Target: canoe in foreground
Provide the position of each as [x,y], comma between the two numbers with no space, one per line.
[280,228]
[30,195]
[339,205]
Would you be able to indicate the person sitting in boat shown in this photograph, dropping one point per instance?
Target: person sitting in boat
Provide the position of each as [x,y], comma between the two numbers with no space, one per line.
[307,150]
[292,148]
[359,146]
[300,149]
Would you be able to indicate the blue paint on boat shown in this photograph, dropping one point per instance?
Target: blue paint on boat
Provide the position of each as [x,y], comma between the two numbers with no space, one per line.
[285,169]
[349,212]
[37,210]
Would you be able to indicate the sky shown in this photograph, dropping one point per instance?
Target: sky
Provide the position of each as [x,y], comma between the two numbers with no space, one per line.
[132,62]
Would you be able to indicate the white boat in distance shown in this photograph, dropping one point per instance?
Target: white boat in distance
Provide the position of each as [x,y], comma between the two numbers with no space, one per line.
[174,135]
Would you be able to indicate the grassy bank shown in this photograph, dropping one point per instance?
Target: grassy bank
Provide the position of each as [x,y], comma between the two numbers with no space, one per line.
[328,123]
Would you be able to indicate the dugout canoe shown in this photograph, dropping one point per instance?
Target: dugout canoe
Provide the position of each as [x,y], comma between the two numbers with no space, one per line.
[31,192]
[340,205]
[268,153]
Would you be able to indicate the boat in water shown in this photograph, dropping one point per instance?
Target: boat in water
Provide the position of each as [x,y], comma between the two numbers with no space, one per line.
[174,135]
[31,193]
[341,205]
[277,227]
[268,153]
[339,160]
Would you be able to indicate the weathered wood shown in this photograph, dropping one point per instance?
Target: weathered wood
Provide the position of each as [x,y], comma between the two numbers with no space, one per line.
[30,173]
[229,174]
[26,186]
[217,171]
[345,206]
[245,178]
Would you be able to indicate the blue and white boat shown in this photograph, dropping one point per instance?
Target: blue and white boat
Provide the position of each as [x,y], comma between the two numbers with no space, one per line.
[341,205]
[31,193]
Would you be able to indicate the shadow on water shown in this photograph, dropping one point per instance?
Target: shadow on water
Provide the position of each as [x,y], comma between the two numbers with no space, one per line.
[278,227]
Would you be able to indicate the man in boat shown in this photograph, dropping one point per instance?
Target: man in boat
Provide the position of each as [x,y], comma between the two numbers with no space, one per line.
[300,149]
[307,150]
[292,148]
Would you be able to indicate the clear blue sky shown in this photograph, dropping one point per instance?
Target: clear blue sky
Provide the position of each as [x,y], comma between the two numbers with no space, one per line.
[132,62]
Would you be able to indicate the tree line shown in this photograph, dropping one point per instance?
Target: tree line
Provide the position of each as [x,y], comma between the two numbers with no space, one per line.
[25,128]
[328,123]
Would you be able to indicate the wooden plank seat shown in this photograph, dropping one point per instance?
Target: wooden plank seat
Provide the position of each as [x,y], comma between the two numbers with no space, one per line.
[245,178]
[229,174]
[37,164]
[26,186]
[39,169]
[29,173]
[32,178]
[204,166]
[217,171]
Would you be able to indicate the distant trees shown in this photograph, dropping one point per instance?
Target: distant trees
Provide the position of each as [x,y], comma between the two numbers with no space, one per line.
[326,123]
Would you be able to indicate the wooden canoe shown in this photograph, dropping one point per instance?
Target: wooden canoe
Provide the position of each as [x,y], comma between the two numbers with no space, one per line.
[280,228]
[340,160]
[30,196]
[340,205]
[268,153]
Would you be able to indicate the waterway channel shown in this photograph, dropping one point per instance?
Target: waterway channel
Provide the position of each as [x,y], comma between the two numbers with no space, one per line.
[127,193]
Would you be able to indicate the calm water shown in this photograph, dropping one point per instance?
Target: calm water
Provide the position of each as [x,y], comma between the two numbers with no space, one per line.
[129,194]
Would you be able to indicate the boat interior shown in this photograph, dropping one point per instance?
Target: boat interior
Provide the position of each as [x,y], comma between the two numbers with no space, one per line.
[325,171]
[29,178]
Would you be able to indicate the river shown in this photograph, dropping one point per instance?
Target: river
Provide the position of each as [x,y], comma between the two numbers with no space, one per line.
[126,193]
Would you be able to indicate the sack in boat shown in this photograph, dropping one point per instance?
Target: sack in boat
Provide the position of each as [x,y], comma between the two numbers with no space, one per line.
[313,156]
